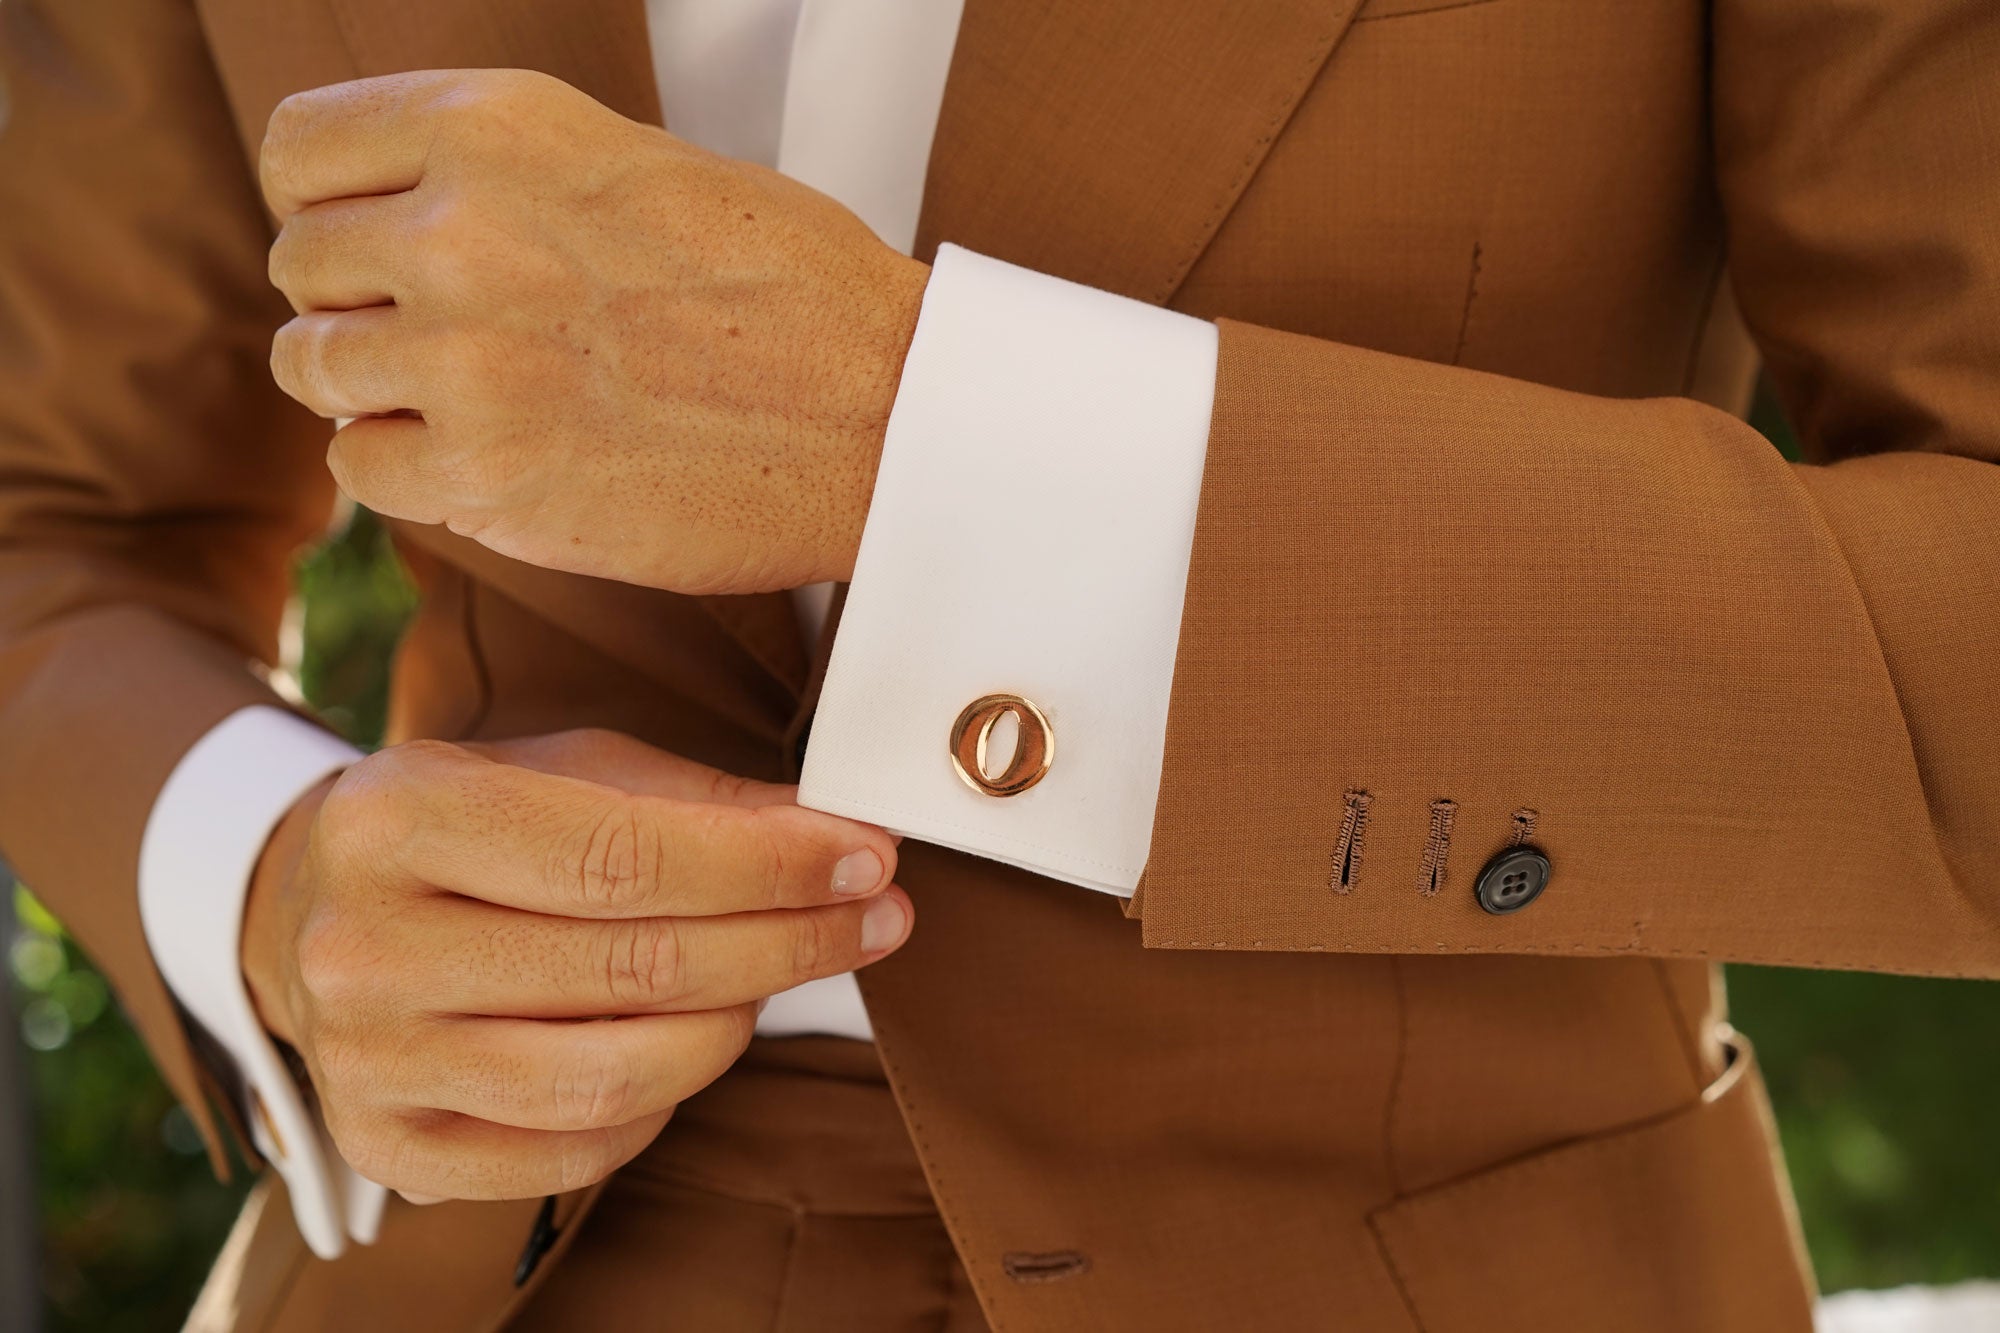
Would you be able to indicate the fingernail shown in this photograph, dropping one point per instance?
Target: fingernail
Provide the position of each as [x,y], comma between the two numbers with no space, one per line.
[882,925]
[857,872]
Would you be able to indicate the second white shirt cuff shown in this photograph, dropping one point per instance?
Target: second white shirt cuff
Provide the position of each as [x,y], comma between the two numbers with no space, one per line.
[207,829]
[1030,533]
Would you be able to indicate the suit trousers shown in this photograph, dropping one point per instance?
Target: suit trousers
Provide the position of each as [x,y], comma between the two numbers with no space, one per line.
[784,1198]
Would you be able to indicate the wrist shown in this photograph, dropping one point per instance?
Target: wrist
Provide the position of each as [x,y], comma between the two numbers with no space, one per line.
[902,302]
[269,914]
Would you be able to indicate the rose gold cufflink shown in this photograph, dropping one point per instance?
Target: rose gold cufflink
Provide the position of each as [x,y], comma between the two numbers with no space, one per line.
[1033,752]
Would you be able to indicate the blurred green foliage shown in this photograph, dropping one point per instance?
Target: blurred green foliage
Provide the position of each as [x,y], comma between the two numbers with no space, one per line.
[1886,1090]
[354,600]
[1885,1087]
[129,1213]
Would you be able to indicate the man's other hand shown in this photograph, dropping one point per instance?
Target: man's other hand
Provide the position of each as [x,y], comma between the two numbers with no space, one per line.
[504,965]
[579,340]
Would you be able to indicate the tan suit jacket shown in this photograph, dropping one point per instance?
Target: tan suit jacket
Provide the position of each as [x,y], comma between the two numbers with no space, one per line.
[1480,524]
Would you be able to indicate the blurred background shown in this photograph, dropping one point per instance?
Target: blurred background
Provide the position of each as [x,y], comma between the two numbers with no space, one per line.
[1886,1088]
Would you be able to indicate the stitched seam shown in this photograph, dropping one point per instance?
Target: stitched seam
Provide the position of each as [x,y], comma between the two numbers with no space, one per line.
[945,1288]
[1541,1161]
[1346,870]
[1396,1274]
[1471,294]
[1316,58]
[795,1239]
[1821,520]
[1677,1017]
[1395,1075]
[700,1184]
[947,1211]
[1558,949]
[343,25]
[1507,1174]
[1437,848]
[293,1272]
[1438,8]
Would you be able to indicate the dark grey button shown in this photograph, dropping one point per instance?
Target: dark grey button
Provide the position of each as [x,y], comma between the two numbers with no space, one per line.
[1512,880]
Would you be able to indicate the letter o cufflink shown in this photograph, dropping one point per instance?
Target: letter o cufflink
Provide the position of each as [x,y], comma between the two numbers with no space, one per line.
[1033,753]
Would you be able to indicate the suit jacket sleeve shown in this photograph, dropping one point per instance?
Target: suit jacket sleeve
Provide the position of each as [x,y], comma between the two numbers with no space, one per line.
[1750,709]
[152,480]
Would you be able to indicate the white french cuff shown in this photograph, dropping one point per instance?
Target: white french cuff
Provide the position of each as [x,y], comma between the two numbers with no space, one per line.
[1029,535]
[207,828]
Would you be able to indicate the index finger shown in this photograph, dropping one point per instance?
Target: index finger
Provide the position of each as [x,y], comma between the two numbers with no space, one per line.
[364,137]
[570,847]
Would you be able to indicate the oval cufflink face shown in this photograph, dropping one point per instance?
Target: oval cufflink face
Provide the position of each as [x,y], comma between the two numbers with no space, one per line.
[971,738]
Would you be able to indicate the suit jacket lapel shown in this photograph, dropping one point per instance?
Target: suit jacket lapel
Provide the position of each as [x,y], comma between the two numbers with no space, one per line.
[601,47]
[1104,141]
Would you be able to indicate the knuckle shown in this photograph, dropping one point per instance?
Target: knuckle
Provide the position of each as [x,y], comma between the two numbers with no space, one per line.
[325,956]
[288,358]
[366,783]
[732,788]
[741,1030]
[778,862]
[278,154]
[592,1093]
[816,943]
[645,963]
[498,92]
[589,740]
[583,1159]
[421,757]
[779,867]
[394,1150]
[754,864]
[367,806]
[464,99]
[282,263]
[345,1067]
[443,236]
[366,1143]
[619,860]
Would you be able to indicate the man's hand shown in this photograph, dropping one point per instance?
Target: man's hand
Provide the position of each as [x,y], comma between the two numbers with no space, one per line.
[579,340]
[504,967]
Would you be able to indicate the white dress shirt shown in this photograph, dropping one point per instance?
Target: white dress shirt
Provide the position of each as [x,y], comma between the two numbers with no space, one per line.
[1098,407]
